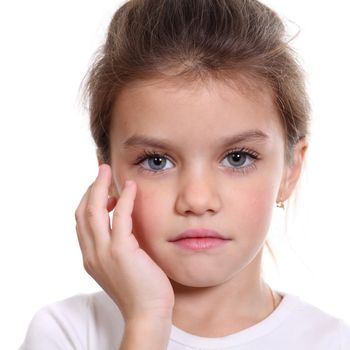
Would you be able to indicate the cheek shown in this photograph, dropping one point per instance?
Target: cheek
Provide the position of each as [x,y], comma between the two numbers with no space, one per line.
[252,209]
[149,214]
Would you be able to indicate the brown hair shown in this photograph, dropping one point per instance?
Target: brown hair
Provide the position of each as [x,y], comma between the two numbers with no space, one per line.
[196,39]
[199,39]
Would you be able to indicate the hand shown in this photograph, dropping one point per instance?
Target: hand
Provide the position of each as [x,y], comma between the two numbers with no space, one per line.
[113,257]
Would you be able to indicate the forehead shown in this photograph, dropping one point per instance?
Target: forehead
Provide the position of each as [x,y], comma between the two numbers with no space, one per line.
[196,110]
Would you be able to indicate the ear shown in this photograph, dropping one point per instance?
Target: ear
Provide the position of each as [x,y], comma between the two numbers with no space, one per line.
[292,171]
[111,190]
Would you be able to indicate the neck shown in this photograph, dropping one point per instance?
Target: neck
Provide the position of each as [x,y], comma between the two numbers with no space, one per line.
[222,309]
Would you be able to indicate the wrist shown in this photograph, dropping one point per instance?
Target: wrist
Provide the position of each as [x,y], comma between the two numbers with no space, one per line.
[148,323]
[154,316]
[146,333]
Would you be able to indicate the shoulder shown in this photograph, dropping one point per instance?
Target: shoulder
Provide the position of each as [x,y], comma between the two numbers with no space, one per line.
[344,335]
[311,323]
[80,322]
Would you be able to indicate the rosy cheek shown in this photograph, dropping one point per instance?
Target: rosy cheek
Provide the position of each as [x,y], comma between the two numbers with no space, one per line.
[251,211]
[261,211]
[146,206]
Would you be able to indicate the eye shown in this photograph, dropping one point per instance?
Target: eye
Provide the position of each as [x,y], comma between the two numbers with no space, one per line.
[241,159]
[152,161]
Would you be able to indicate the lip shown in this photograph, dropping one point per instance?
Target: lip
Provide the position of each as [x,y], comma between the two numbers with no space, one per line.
[199,233]
[202,243]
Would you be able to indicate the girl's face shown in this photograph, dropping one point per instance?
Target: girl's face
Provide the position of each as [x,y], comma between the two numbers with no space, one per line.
[203,156]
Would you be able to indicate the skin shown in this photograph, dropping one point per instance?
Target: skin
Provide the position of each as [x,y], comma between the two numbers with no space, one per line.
[198,187]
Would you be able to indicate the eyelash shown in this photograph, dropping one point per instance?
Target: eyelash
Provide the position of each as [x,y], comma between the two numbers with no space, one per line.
[243,151]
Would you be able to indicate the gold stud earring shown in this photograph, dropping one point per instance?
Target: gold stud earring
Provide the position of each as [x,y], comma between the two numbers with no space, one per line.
[280,204]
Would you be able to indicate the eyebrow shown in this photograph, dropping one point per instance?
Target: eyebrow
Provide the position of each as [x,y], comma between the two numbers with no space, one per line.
[143,140]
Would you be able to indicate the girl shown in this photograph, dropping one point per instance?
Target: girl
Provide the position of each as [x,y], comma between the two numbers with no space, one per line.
[200,117]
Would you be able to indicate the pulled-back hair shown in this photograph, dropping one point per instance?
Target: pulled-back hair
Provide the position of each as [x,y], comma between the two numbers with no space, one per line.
[190,40]
[196,39]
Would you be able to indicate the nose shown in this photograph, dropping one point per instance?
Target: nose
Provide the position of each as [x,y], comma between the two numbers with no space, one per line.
[197,195]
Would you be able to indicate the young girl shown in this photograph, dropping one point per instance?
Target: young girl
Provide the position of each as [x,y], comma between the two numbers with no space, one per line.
[200,117]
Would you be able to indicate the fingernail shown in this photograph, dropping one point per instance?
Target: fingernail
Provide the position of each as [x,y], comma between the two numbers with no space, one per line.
[128,183]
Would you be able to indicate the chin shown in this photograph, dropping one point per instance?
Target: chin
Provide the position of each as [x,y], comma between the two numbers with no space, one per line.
[197,281]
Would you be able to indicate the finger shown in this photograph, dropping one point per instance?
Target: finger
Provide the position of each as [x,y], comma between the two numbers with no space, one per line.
[81,207]
[85,243]
[122,220]
[83,231]
[96,208]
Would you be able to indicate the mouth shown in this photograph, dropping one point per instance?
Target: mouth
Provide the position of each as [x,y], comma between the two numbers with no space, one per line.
[199,233]
[200,239]
[200,243]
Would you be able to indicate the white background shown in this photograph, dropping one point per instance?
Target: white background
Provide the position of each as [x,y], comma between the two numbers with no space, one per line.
[48,157]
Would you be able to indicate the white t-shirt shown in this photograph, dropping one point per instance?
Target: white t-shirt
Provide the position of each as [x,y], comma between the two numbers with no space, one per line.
[93,322]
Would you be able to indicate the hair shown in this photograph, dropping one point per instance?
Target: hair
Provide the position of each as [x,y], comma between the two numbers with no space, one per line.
[189,40]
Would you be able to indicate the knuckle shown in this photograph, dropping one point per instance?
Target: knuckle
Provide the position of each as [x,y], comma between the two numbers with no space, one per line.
[77,229]
[79,233]
[90,211]
[77,215]
[88,263]
[89,189]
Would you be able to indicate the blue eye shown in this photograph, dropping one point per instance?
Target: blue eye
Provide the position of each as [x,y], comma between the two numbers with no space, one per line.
[154,162]
[157,162]
[238,160]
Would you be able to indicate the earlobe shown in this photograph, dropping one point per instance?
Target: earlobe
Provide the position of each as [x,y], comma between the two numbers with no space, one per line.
[293,171]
